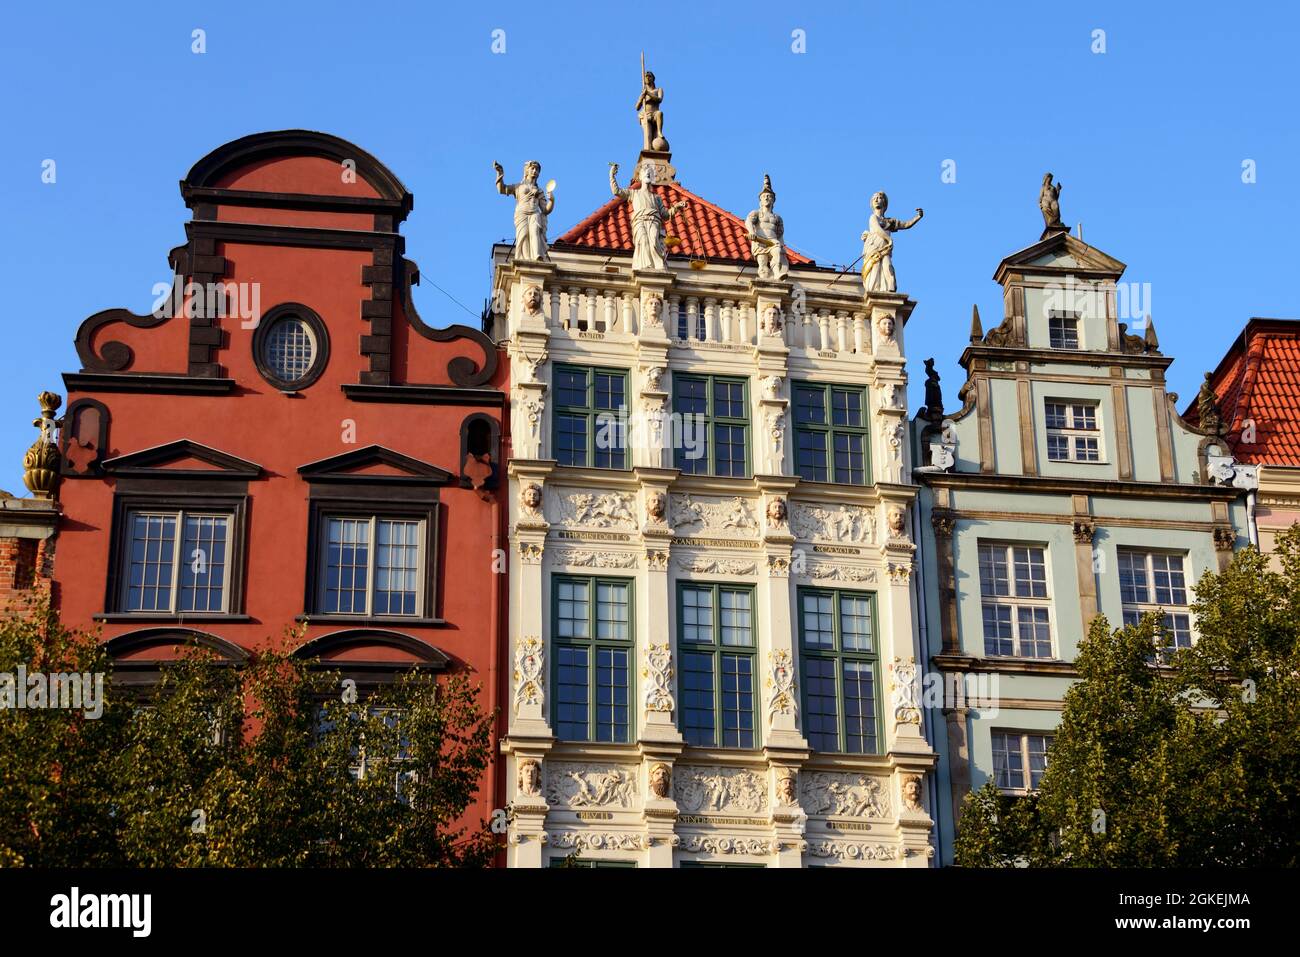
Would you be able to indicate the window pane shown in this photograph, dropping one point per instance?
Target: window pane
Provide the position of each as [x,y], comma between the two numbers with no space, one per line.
[612,611]
[397,560]
[347,565]
[846,407]
[809,405]
[289,349]
[729,442]
[855,623]
[1167,576]
[810,456]
[822,718]
[610,392]
[1055,416]
[571,387]
[1035,632]
[850,459]
[736,617]
[573,609]
[1037,745]
[737,701]
[697,614]
[152,554]
[570,439]
[997,630]
[818,625]
[1132,577]
[1058,448]
[994,580]
[691,396]
[611,694]
[1031,572]
[571,703]
[1008,762]
[203,562]
[697,698]
[728,400]
[859,708]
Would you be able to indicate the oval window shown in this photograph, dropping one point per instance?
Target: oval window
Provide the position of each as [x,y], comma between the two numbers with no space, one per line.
[290,347]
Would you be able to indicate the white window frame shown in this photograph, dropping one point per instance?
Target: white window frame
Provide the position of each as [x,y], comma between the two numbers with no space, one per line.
[1072,432]
[178,515]
[1132,612]
[421,564]
[1015,601]
[1022,740]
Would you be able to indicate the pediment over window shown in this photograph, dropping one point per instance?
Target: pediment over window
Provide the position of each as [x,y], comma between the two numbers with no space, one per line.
[1061,253]
[182,459]
[375,464]
[372,657]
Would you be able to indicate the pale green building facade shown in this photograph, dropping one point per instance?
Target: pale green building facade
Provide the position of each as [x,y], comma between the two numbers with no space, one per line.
[1065,486]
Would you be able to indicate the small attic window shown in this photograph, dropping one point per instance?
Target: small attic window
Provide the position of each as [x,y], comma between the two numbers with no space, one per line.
[1063,332]
[290,347]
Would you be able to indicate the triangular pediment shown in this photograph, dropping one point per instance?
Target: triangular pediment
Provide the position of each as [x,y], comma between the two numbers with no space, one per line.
[1058,253]
[182,459]
[377,464]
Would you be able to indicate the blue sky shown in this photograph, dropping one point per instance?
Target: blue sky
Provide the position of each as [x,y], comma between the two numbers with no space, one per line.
[1148,138]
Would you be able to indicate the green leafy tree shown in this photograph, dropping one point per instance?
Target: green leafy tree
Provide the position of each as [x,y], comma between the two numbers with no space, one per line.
[277,763]
[1189,758]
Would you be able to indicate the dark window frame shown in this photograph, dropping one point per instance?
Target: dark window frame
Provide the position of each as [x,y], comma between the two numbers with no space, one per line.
[712,421]
[162,495]
[828,430]
[716,649]
[590,412]
[313,321]
[839,656]
[356,501]
[592,643]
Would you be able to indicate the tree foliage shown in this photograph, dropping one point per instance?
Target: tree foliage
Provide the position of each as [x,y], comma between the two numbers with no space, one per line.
[1182,759]
[276,763]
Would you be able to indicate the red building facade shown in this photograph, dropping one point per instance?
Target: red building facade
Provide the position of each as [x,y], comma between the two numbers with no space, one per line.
[284,441]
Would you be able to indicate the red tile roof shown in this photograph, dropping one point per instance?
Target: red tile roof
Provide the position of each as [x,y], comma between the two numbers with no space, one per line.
[1259,381]
[706,231]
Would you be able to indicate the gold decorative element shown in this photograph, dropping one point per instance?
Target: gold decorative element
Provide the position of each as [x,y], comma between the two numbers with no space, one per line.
[41,463]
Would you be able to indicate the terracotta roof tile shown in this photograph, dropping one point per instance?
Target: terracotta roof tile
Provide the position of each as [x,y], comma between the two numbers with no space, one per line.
[1259,381]
[706,231]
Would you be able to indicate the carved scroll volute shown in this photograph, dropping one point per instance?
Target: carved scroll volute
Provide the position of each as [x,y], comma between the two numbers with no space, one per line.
[462,370]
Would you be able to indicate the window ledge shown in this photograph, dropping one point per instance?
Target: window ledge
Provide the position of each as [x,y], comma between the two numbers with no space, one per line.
[164,617]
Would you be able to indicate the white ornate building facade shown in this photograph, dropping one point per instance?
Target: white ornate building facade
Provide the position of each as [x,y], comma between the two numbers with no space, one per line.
[712,608]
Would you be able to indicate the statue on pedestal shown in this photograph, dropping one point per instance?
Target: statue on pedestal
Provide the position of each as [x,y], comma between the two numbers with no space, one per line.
[878,246]
[767,235]
[648,112]
[532,206]
[1049,201]
[649,217]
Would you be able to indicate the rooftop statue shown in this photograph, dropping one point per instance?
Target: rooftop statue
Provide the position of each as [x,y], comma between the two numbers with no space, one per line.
[878,246]
[1049,201]
[767,235]
[649,217]
[652,118]
[532,206]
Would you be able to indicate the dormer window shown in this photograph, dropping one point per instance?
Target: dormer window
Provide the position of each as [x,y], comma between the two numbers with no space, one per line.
[1063,331]
[1073,434]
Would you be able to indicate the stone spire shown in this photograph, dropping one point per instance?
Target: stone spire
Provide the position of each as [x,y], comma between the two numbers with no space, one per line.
[976,327]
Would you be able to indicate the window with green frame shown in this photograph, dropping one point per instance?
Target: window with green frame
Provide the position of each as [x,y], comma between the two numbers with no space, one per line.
[715,634]
[588,429]
[841,670]
[830,428]
[592,644]
[721,406]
